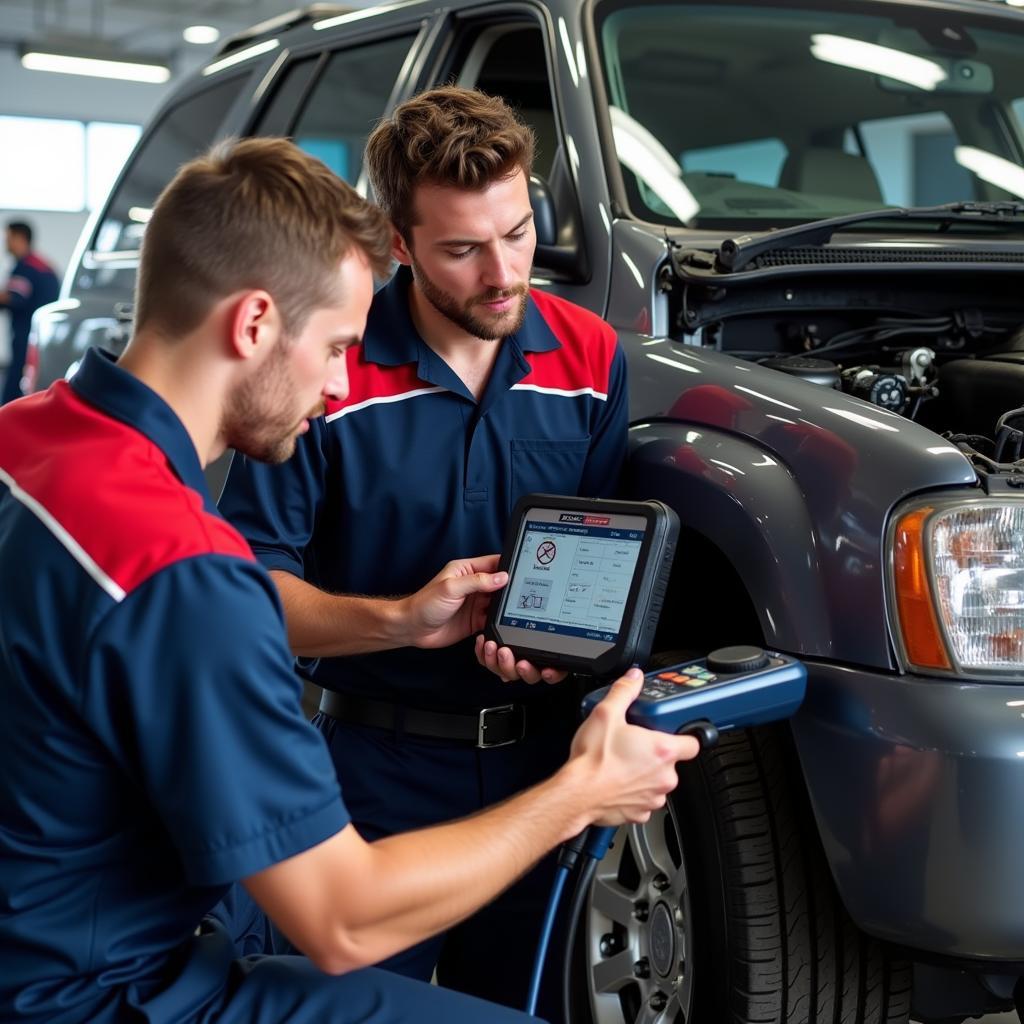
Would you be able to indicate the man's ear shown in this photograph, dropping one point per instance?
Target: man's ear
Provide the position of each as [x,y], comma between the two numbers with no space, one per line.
[254,323]
[399,249]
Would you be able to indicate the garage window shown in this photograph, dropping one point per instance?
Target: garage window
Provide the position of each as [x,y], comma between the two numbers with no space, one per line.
[61,165]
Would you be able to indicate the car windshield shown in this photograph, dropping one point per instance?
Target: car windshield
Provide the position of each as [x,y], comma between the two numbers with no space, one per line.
[730,115]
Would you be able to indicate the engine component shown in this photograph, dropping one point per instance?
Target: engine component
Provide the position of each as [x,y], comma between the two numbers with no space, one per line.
[975,392]
[918,365]
[883,388]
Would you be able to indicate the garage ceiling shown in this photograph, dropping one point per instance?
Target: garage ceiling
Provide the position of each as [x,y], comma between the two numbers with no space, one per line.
[132,27]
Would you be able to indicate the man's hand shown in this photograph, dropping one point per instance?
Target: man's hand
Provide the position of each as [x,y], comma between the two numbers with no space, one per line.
[453,605]
[502,662]
[631,769]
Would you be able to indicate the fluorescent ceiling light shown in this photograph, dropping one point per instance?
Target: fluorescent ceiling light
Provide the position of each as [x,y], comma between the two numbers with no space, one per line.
[140,214]
[879,60]
[154,74]
[236,58]
[994,169]
[201,35]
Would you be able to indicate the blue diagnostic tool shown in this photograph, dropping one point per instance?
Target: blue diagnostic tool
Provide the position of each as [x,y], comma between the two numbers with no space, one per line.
[732,688]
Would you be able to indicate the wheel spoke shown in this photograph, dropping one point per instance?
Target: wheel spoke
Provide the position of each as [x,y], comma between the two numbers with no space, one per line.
[650,850]
[675,1008]
[614,973]
[607,897]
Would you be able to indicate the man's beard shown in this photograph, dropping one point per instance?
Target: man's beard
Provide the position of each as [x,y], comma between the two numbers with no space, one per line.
[493,327]
[258,421]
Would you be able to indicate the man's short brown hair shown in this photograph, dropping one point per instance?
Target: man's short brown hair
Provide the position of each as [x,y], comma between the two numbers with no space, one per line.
[445,136]
[252,213]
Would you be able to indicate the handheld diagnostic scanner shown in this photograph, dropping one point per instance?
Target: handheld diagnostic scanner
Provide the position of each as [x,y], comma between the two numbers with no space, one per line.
[732,688]
[587,579]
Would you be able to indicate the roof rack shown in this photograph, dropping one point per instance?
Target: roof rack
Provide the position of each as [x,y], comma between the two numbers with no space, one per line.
[283,22]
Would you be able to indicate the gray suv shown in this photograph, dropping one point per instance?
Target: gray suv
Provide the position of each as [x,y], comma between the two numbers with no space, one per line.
[805,220]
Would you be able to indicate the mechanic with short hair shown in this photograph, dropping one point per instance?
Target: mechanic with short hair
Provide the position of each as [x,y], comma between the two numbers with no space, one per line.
[153,749]
[470,390]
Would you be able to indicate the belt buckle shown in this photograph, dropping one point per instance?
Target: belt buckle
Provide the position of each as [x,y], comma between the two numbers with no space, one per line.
[481,729]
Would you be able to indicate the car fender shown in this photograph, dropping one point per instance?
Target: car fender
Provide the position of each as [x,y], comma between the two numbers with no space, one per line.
[749,505]
[833,465]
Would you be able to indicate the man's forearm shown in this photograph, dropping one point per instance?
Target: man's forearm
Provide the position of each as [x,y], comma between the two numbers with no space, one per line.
[434,878]
[324,625]
[373,900]
[348,903]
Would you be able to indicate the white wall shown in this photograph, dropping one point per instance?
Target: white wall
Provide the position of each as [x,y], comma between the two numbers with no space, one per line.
[43,94]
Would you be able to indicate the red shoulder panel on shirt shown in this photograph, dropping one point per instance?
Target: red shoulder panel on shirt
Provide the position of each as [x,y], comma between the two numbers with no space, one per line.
[588,348]
[38,263]
[108,487]
[368,381]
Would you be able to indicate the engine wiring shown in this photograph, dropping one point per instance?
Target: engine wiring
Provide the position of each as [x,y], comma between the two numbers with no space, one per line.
[1001,455]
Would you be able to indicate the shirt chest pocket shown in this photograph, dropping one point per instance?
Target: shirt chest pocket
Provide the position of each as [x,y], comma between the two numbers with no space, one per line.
[550,465]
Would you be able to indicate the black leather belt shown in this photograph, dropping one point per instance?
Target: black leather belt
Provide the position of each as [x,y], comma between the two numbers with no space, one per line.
[488,727]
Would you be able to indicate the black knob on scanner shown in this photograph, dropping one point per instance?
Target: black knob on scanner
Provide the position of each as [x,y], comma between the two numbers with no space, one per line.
[730,660]
[706,733]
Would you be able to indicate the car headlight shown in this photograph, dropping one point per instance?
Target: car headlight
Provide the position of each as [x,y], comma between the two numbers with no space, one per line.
[958,584]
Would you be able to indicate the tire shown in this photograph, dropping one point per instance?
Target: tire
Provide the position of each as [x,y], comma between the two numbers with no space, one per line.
[722,909]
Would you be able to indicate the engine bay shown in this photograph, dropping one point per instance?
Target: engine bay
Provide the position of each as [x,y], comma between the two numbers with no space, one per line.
[944,350]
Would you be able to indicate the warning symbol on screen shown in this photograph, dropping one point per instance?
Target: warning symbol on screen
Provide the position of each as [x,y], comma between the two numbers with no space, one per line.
[546,552]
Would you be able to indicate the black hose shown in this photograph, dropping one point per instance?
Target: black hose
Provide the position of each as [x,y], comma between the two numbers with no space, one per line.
[583,882]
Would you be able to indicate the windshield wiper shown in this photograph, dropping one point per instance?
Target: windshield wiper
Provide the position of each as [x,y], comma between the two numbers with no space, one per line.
[735,253]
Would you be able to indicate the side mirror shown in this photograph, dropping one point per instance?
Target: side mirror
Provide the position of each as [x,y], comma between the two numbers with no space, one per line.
[559,247]
[545,221]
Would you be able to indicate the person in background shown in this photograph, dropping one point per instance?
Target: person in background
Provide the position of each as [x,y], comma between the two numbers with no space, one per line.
[32,284]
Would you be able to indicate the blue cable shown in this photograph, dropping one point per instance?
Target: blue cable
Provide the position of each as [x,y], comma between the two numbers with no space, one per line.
[592,843]
[598,839]
[545,937]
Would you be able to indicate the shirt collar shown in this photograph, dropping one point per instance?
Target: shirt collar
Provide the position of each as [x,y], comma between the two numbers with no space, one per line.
[535,335]
[392,339]
[102,383]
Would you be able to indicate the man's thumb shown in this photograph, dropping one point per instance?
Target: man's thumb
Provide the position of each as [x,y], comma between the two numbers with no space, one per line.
[477,583]
[624,690]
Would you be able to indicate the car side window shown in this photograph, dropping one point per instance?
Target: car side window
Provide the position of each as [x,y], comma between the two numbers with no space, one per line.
[347,99]
[509,61]
[183,132]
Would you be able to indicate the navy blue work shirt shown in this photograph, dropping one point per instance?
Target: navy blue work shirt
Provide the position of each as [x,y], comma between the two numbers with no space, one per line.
[410,471]
[32,284]
[152,744]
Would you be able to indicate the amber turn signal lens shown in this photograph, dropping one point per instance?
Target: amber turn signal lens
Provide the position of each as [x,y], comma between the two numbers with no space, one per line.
[922,638]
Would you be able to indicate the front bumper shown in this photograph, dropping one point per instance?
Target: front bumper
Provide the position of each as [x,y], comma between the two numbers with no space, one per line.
[917,785]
